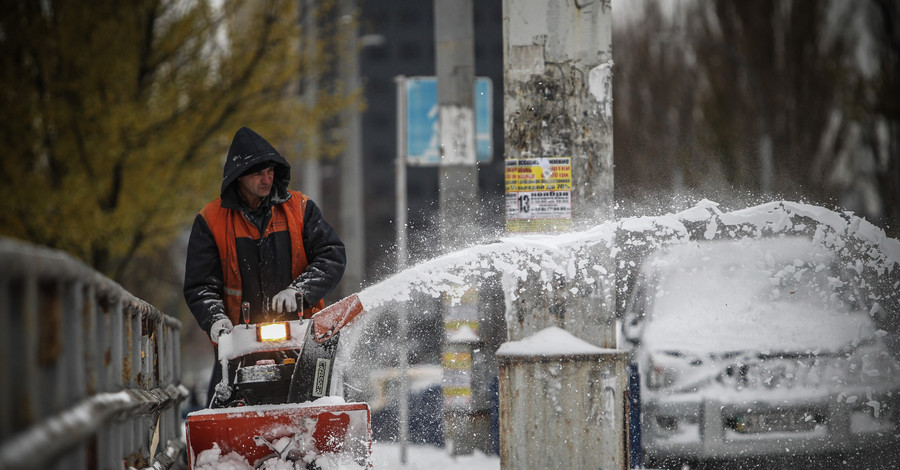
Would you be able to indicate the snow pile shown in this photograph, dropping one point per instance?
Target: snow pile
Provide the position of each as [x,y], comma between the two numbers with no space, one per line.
[551,341]
[869,260]
[759,295]
[213,459]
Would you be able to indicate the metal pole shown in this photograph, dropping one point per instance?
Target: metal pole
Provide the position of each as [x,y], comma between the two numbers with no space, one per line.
[351,214]
[401,264]
[454,34]
[312,174]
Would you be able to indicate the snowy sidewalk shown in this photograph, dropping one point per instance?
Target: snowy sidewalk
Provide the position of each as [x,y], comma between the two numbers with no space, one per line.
[422,457]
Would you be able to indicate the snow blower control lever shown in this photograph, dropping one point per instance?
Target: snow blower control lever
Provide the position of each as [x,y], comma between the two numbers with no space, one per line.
[245,312]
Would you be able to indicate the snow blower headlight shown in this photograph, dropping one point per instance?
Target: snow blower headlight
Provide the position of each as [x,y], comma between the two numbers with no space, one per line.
[273,331]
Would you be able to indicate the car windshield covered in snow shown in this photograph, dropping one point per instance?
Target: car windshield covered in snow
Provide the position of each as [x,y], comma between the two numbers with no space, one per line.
[748,347]
[736,296]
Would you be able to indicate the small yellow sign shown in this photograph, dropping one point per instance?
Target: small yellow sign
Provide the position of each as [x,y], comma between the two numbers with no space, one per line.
[457,360]
[539,194]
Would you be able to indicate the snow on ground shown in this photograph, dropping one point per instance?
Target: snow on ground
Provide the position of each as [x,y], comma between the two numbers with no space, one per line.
[386,456]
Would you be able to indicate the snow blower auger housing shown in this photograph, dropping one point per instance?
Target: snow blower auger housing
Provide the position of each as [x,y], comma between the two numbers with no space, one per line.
[273,403]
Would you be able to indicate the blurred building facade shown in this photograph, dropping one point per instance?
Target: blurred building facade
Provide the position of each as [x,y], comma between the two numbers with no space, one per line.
[398,39]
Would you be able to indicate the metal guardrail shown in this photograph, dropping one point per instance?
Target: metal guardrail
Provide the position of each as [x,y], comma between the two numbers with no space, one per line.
[89,374]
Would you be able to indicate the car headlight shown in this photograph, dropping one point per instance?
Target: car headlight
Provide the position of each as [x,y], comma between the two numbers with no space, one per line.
[277,331]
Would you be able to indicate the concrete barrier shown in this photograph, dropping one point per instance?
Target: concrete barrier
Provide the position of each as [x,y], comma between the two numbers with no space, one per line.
[563,403]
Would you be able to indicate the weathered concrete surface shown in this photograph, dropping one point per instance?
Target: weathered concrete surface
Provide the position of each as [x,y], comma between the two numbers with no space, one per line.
[563,410]
[558,93]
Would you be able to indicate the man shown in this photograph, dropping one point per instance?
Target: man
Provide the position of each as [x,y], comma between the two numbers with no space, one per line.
[259,244]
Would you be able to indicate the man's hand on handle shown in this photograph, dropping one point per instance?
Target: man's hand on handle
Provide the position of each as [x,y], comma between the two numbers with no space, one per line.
[285,301]
[220,327]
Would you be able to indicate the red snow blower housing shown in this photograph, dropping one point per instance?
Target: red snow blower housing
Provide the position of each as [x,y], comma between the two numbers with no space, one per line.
[274,401]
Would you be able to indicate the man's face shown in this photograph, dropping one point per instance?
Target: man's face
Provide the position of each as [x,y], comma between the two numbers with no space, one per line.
[256,186]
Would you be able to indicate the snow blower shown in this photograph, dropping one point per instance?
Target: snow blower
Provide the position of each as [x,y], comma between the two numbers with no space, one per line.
[274,401]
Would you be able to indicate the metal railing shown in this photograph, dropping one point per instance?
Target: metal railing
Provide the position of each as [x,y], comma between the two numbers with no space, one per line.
[89,374]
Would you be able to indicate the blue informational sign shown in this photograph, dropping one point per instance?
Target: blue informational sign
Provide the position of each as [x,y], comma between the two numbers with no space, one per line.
[422,121]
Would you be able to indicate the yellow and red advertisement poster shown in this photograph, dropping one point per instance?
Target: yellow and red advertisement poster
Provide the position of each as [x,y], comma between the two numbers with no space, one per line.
[538,194]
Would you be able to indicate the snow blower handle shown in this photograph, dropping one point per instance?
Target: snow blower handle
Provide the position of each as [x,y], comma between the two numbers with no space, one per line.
[299,310]
[245,312]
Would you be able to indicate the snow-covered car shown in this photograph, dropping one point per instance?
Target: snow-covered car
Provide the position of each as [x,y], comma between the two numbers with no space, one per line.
[751,348]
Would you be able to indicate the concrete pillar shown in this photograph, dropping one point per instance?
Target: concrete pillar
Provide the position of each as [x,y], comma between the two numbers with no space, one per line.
[558,143]
[561,409]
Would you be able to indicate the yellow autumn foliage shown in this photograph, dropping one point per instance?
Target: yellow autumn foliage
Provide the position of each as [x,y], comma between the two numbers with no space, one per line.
[117,114]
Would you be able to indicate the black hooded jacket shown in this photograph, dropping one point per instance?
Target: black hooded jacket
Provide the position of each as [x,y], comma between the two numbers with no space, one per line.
[265,264]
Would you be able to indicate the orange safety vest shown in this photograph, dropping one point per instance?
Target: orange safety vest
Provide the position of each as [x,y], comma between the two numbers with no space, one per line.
[227,225]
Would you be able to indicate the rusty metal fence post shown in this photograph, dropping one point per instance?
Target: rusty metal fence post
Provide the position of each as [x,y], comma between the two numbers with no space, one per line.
[89,374]
[563,403]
